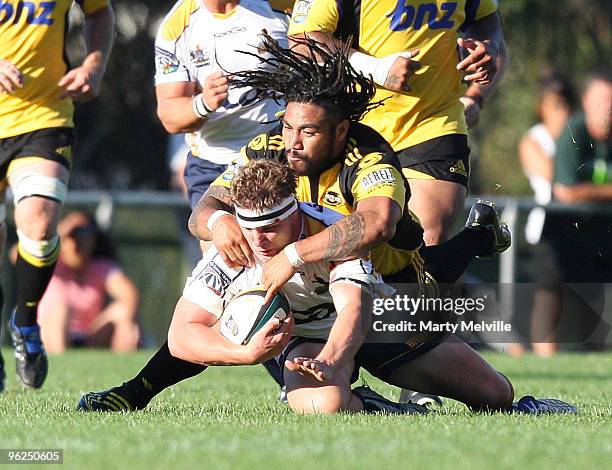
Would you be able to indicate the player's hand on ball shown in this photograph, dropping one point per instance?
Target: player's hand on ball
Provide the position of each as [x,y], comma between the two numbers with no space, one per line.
[215,89]
[230,242]
[276,273]
[11,77]
[320,370]
[270,340]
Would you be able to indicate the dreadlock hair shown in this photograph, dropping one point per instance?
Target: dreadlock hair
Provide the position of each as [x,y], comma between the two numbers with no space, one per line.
[322,76]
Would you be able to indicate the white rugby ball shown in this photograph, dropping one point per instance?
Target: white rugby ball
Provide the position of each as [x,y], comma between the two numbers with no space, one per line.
[246,313]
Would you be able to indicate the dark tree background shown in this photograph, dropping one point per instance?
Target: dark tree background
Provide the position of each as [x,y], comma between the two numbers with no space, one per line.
[122,144]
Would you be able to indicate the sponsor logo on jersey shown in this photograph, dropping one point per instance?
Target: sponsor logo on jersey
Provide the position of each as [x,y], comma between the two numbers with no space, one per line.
[199,57]
[459,168]
[378,177]
[228,175]
[332,198]
[406,16]
[29,11]
[229,32]
[214,283]
[300,11]
[165,62]
[215,278]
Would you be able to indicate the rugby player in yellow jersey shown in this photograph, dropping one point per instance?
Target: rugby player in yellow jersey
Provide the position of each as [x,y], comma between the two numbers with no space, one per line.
[410,49]
[36,138]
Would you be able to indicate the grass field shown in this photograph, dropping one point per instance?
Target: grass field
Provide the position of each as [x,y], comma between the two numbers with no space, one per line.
[229,418]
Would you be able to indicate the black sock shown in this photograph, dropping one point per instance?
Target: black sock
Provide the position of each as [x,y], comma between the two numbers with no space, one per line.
[448,261]
[162,371]
[32,281]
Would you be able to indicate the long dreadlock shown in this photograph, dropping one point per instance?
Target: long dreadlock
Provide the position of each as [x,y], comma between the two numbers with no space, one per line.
[321,76]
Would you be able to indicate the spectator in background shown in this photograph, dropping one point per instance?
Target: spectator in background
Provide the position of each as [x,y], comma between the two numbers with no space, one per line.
[583,174]
[583,164]
[74,309]
[536,152]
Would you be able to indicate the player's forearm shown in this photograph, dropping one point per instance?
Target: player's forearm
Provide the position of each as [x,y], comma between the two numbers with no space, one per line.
[489,29]
[583,192]
[482,92]
[320,36]
[177,115]
[200,344]
[216,198]
[351,237]
[348,332]
[99,36]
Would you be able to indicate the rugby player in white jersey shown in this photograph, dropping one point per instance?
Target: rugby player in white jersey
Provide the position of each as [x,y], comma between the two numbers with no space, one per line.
[331,302]
[195,50]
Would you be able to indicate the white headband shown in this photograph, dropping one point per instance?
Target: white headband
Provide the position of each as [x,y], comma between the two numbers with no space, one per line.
[249,218]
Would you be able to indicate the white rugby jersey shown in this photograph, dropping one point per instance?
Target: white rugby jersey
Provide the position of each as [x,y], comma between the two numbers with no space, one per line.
[213,284]
[192,43]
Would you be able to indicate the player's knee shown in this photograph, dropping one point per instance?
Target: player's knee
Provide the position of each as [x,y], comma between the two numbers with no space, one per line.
[26,185]
[38,202]
[497,395]
[434,235]
[317,402]
[38,252]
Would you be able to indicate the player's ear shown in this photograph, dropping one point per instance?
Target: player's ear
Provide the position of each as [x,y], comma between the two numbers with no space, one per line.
[342,129]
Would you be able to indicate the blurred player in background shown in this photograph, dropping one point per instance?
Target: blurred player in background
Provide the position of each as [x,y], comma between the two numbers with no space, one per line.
[36,138]
[410,48]
[194,53]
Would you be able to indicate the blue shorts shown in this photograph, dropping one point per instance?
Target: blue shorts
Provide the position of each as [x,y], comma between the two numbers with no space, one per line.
[199,173]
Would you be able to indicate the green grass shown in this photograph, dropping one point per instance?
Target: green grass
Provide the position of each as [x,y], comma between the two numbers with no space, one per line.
[229,418]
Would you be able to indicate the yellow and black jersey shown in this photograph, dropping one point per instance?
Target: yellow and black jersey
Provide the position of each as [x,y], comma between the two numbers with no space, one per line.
[32,38]
[368,167]
[383,27]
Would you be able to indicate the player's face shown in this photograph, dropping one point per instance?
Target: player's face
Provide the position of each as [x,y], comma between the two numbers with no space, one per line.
[312,140]
[269,240]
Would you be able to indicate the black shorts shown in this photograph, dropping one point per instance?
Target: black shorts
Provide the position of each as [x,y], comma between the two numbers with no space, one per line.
[379,359]
[199,173]
[445,158]
[54,143]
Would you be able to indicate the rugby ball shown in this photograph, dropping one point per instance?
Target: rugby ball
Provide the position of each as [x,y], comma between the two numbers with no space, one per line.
[246,313]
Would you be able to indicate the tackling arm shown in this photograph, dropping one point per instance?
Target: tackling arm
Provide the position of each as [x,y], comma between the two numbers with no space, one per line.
[373,222]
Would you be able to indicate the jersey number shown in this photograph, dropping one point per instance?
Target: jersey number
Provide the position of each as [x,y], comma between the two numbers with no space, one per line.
[404,16]
[43,18]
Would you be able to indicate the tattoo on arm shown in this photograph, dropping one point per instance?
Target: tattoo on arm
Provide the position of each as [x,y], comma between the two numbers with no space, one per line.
[393,81]
[346,237]
[215,197]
